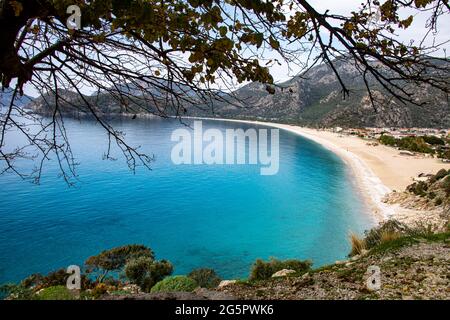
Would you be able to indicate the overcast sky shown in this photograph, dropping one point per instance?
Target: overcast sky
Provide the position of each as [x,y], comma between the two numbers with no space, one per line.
[415,32]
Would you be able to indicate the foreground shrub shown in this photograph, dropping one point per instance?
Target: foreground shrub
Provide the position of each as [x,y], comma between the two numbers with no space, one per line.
[358,245]
[175,284]
[59,277]
[383,232]
[418,188]
[145,272]
[99,290]
[16,292]
[414,144]
[205,278]
[115,259]
[55,293]
[388,140]
[433,140]
[390,232]
[441,174]
[54,278]
[446,185]
[262,270]
[387,236]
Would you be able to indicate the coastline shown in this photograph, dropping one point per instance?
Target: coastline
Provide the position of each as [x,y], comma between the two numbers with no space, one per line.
[377,170]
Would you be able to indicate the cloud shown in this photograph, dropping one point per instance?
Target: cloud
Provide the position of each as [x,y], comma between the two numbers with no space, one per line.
[415,33]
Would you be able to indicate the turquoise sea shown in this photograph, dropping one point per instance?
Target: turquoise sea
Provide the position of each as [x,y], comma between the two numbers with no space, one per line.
[220,216]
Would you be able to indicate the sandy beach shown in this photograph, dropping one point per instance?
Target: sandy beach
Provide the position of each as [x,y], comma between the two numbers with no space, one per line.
[378,170]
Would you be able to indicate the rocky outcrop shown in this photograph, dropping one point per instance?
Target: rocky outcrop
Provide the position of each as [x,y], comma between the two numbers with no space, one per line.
[283,273]
[198,294]
[225,283]
[313,98]
[418,270]
[426,202]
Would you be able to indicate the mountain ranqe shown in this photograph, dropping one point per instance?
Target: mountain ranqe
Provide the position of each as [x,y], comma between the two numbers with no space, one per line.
[313,98]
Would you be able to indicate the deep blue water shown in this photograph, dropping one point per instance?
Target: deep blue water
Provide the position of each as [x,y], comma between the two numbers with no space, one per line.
[222,216]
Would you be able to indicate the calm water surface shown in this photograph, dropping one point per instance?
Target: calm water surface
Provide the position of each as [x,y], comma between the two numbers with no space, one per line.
[222,216]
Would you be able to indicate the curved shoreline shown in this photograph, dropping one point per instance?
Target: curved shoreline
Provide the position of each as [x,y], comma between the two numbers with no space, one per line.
[370,186]
[376,170]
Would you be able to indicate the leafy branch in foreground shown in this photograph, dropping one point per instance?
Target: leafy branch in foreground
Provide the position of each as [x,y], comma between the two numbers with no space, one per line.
[164,57]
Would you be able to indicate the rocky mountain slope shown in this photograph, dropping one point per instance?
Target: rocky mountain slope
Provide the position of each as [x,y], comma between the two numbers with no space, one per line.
[413,264]
[409,269]
[6,95]
[425,202]
[124,99]
[313,98]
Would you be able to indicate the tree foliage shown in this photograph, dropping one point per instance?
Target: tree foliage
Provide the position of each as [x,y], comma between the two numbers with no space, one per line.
[205,277]
[115,259]
[55,293]
[175,284]
[146,272]
[262,270]
[414,144]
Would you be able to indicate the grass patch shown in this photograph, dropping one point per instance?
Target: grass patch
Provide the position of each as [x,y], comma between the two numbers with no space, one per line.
[262,270]
[394,244]
[388,235]
[403,241]
[55,293]
[175,284]
[350,275]
[358,244]
[246,282]
[120,293]
[436,237]
[326,268]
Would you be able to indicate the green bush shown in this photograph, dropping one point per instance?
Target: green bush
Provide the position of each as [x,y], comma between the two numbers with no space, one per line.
[433,140]
[99,290]
[358,245]
[414,144]
[418,188]
[55,293]
[445,155]
[373,236]
[175,284]
[32,280]
[115,259]
[446,185]
[205,278]
[440,174]
[145,272]
[388,140]
[55,278]
[264,270]
[16,292]
[394,231]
